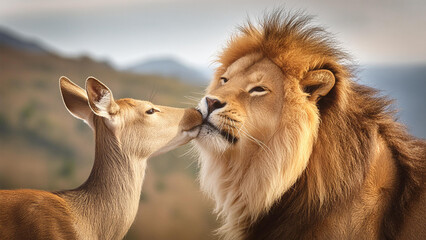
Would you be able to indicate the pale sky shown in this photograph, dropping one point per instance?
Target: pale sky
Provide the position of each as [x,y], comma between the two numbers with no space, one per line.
[128,31]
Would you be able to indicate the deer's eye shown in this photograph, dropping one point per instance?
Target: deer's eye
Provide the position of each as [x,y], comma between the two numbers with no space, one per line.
[151,111]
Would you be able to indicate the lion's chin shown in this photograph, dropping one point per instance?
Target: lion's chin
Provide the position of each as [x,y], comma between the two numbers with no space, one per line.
[211,139]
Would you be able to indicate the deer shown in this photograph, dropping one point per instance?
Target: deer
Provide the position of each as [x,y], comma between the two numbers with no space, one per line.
[127,133]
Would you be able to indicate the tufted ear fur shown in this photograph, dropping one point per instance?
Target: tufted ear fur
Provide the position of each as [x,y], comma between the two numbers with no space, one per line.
[317,83]
[100,97]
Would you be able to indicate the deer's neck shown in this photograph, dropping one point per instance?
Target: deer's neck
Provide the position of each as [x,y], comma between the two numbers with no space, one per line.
[106,204]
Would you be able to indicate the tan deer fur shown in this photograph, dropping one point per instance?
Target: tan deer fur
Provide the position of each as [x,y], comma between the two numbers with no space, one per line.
[127,133]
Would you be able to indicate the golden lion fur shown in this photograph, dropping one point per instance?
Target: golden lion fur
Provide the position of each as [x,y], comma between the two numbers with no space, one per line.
[340,168]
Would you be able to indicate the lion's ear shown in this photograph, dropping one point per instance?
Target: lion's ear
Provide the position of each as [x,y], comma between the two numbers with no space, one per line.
[317,83]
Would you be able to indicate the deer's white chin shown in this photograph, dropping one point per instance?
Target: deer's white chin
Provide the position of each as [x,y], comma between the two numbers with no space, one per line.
[181,139]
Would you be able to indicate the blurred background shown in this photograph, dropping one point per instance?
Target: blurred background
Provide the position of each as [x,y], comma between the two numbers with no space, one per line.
[164,50]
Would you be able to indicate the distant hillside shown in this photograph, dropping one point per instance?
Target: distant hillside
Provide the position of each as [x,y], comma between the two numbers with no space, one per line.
[42,146]
[405,84]
[10,39]
[170,67]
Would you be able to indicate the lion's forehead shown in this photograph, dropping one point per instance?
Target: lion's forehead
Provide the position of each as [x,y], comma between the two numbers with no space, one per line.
[242,64]
[253,69]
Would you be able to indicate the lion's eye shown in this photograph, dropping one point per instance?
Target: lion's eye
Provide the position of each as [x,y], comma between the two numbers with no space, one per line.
[257,89]
[223,80]
[151,111]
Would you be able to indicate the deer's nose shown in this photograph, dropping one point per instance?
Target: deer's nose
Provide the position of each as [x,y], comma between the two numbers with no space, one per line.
[213,104]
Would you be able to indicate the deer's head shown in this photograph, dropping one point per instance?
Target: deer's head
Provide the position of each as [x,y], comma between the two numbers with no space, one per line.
[139,128]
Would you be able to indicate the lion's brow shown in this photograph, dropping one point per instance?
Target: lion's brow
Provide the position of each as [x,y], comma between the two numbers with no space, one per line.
[242,64]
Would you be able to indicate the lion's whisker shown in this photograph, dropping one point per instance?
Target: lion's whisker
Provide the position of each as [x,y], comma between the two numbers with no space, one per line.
[255,140]
[187,103]
[198,93]
[187,152]
[197,100]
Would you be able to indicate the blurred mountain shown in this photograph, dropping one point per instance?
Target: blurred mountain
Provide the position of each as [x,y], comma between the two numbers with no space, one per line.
[42,146]
[10,39]
[170,67]
[405,84]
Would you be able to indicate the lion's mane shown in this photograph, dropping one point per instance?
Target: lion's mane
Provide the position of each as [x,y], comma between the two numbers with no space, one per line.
[352,119]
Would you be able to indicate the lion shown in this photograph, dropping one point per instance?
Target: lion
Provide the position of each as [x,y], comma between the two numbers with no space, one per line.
[293,148]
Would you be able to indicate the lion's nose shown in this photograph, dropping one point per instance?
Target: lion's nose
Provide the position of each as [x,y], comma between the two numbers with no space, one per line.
[213,104]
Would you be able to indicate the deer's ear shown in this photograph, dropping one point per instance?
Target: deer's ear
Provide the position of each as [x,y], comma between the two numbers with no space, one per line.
[100,97]
[317,83]
[75,99]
